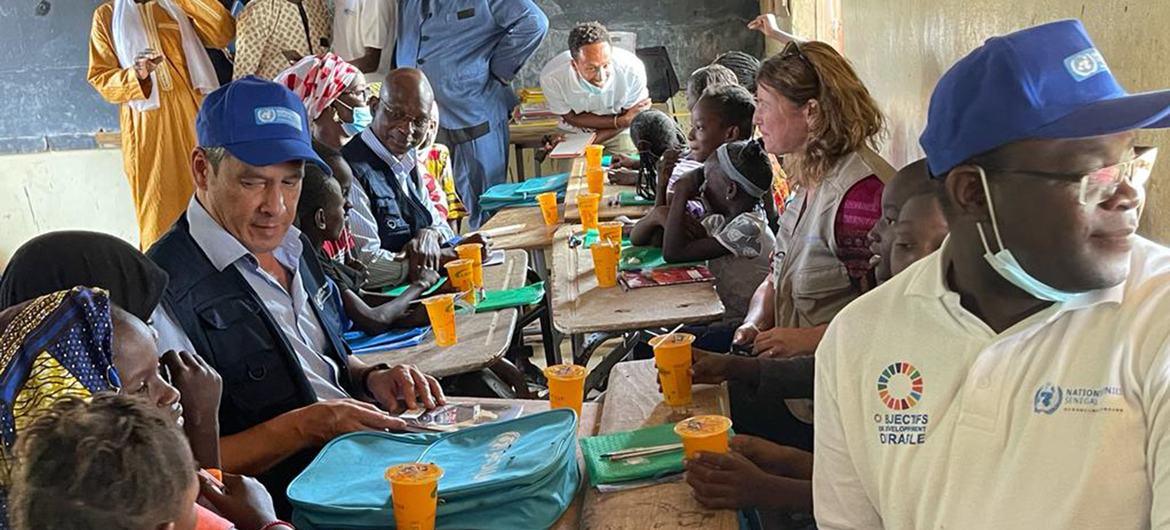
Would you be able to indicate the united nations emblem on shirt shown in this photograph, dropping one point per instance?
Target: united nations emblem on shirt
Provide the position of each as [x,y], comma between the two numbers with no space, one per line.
[900,388]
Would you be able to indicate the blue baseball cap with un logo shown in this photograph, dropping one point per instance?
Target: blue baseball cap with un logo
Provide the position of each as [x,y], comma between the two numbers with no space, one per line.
[1049,81]
[257,121]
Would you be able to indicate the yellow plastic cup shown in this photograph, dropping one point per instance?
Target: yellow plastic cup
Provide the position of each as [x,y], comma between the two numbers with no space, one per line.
[595,179]
[610,231]
[593,156]
[703,433]
[566,386]
[473,252]
[672,355]
[441,311]
[462,275]
[605,262]
[414,490]
[548,207]
[587,205]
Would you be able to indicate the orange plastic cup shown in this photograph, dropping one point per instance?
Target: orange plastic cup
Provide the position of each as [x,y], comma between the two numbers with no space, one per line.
[566,386]
[548,207]
[462,275]
[587,205]
[703,433]
[595,179]
[672,355]
[473,252]
[414,489]
[605,262]
[441,311]
[610,231]
[593,156]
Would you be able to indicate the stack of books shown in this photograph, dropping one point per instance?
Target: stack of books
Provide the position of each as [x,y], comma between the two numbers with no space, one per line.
[533,107]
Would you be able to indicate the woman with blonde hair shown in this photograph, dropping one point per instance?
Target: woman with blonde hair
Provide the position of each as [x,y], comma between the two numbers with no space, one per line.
[817,116]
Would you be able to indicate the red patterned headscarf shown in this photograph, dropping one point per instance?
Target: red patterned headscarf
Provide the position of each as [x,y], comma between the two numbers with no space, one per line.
[318,80]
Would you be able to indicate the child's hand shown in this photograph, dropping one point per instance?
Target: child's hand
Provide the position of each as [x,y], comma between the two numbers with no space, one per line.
[774,458]
[426,278]
[727,481]
[687,186]
[243,501]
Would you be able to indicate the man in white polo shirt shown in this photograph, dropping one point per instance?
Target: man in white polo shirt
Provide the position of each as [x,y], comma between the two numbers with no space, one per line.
[1020,376]
[595,87]
[362,29]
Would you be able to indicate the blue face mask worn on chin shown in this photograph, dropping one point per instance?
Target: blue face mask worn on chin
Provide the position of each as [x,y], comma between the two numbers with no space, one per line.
[1005,264]
[362,118]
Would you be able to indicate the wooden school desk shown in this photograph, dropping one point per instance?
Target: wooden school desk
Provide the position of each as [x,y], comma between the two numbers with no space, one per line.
[633,402]
[579,306]
[483,337]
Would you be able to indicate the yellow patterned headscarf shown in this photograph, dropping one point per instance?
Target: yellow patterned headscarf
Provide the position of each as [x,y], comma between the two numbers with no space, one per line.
[56,346]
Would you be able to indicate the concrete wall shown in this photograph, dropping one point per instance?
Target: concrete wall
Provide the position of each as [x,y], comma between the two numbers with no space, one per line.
[58,190]
[902,47]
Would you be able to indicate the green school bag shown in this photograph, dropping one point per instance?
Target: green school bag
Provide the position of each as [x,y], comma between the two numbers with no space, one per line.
[519,473]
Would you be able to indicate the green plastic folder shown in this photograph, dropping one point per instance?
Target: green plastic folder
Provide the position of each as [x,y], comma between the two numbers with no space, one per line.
[592,236]
[630,198]
[647,258]
[397,291]
[519,297]
[606,471]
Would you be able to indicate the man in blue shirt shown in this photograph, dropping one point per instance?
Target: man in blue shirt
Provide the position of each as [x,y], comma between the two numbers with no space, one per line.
[471,51]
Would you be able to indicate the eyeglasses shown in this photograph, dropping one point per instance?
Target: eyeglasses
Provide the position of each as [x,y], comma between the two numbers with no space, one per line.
[1100,184]
[362,95]
[792,49]
[397,116]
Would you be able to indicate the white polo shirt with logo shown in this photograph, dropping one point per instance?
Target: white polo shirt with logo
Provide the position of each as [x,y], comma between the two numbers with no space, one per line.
[926,418]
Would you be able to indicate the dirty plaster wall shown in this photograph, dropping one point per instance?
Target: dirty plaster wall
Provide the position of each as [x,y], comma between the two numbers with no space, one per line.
[902,47]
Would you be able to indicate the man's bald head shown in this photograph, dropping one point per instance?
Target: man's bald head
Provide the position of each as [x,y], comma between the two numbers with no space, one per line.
[403,116]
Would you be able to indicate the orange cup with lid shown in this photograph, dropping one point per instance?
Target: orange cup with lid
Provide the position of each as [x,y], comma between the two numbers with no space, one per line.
[672,356]
[473,252]
[587,206]
[593,155]
[703,434]
[566,386]
[441,311]
[595,180]
[414,490]
[605,262]
[610,231]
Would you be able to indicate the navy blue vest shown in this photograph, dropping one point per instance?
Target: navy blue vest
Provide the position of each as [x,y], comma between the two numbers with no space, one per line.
[230,329]
[398,213]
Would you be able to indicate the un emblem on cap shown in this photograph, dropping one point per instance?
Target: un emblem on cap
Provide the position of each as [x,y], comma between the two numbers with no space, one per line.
[1085,64]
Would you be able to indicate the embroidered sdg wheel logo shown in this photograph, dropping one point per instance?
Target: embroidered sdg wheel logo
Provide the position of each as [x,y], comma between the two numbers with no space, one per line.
[900,386]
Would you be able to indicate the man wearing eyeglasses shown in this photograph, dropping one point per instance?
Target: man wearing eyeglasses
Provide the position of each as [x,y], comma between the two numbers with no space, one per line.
[390,202]
[1020,376]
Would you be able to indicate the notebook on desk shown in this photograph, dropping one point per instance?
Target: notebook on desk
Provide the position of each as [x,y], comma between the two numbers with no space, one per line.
[573,145]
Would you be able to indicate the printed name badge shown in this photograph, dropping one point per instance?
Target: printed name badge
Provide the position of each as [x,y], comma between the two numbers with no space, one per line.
[900,388]
[278,116]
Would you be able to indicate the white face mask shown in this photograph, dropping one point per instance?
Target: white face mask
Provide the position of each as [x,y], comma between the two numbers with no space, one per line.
[1005,264]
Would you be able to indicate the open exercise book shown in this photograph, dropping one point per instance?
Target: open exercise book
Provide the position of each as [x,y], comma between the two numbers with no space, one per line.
[457,416]
[573,146]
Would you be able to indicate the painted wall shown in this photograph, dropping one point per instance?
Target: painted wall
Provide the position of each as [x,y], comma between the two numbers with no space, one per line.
[59,190]
[902,47]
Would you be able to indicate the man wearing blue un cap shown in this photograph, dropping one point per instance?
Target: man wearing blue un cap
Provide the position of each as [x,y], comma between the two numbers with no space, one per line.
[1020,376]
[248,295]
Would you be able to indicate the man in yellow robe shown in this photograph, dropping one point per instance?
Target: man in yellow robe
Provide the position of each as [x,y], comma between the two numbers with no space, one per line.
[148,57]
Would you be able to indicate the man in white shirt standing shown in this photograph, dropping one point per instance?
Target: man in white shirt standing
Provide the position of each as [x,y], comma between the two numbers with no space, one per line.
[594,86]
[1020,376]
[362,29]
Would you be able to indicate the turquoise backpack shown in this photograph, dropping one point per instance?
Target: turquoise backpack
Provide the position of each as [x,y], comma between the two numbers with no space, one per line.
[512,474]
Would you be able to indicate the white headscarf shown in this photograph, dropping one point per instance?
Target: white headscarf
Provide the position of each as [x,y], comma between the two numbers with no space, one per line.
[130,40]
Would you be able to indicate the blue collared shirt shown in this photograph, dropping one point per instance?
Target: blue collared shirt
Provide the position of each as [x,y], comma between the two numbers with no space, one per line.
[290,310]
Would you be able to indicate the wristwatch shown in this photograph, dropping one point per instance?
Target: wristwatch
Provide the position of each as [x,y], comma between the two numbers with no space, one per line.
[366,376]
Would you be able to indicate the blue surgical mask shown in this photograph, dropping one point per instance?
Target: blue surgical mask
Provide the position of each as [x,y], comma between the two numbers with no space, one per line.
[1005,264]
[362,118]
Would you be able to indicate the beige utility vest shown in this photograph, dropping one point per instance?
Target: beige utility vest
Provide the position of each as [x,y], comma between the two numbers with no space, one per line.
[811,283]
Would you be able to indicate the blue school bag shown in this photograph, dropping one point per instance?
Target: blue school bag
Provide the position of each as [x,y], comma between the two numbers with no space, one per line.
[512,474]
